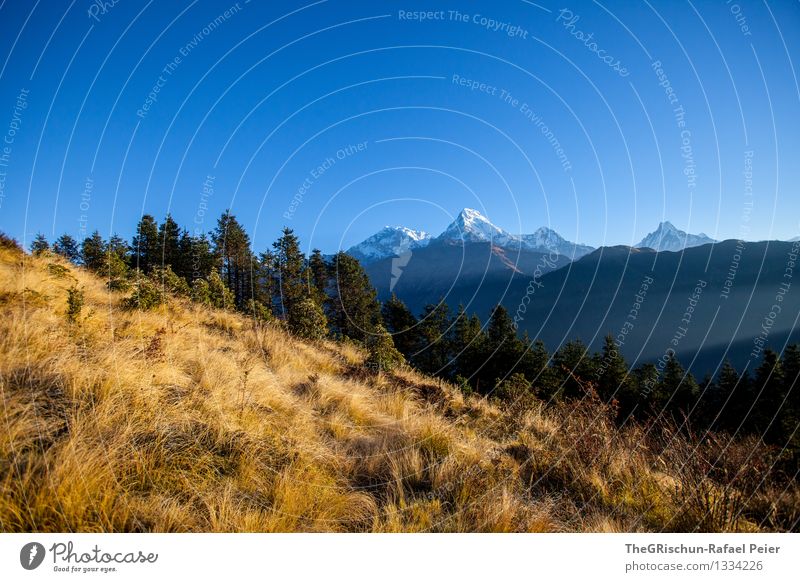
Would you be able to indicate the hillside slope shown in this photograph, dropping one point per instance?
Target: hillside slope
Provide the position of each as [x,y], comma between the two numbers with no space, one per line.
[191,419]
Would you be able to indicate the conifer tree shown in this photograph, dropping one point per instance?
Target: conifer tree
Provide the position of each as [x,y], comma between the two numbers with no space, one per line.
[612,370]
[317,274]
[39,245]
[467,345]
[93,252]
[573,366]
[677,390]
[289,272]
[402,325]
[352,304]
[768,397]
[67,247]
[534,364]
[169,240]
[434,355]
[145,250]
[234,257]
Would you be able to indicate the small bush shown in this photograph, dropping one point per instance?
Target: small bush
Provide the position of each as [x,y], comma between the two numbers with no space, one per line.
[146,295]
[382,353]
[307,320]
[74,304]
[258,311]
[219,295]
[170,282]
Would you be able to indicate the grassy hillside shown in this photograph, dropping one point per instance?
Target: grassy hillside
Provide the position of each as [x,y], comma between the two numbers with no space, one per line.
[186,418]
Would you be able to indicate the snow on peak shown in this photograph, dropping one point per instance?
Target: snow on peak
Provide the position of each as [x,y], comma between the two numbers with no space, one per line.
[390,241]
[667,237]
[472,226]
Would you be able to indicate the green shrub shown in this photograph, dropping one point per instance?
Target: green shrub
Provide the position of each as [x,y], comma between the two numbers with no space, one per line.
[382,353]
[219,295]
[74,304]
[307,320]
[258,311]
[170,282]
[146,295]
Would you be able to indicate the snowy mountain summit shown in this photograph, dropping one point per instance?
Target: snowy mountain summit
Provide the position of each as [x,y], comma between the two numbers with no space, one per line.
[390,241]
[669,238]
[470,226]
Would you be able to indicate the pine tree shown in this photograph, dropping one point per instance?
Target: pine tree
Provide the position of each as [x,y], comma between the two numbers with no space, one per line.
[722,410]
[289,262]
[467,345]
[145,249]
[612,370]
[39,245]
[117,245]
[573,367]
[503,349]
[201,258]
[169,239]
[317,274]
[93,252]
[434,355]
[67,247]
[265,283]
[534,365]
[352,305]
[234,257]
[789,436]
[768,387]
[677,391]
[402,325]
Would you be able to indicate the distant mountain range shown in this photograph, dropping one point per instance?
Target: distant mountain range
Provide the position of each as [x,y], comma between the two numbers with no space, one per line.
[668,238]
[575,291]
[470,226]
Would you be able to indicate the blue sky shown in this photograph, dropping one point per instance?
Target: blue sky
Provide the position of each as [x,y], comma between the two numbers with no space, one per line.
[510,108]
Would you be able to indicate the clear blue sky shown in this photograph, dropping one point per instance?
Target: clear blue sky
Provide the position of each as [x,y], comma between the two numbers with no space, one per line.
[261,96]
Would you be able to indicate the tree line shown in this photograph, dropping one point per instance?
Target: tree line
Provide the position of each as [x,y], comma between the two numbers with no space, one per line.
[319,297]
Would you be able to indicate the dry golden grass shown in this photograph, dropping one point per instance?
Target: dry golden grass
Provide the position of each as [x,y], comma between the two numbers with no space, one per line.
[191,419]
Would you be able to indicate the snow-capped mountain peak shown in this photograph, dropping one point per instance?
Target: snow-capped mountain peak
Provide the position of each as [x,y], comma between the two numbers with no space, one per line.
[388,242]
[667,237]
[472,226]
